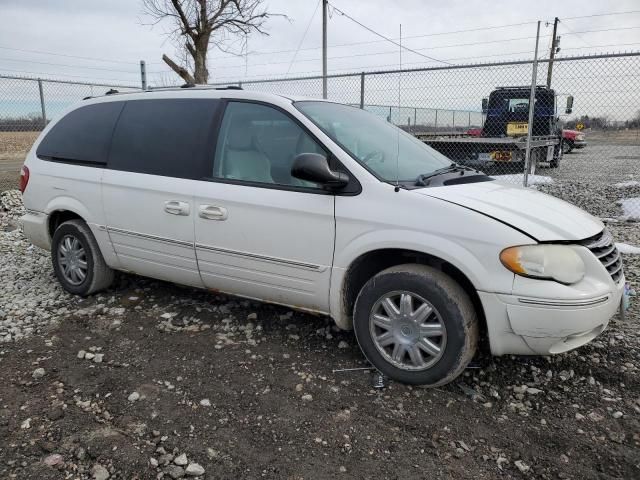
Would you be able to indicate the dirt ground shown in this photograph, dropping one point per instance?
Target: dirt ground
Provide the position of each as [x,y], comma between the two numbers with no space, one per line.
[226,382]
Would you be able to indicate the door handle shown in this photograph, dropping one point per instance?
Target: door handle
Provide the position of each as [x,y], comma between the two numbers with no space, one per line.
[212,212]
[175,207]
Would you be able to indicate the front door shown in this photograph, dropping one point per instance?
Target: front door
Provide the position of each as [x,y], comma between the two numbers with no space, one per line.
[261,233]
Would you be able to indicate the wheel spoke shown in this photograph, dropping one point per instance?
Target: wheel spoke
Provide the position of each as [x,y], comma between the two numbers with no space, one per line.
[67,244]
[390,308]
[80,274]
[382,321]
[398,352]
[429,347]
[406,304]
[423,312]
[416,356]
[385,339]
[431,330]
[82,264]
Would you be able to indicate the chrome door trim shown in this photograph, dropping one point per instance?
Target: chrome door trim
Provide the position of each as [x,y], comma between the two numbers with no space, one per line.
[172,241]
[281,261]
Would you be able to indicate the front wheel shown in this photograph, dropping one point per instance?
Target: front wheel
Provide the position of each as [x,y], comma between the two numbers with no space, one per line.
[416,325]
[567,146]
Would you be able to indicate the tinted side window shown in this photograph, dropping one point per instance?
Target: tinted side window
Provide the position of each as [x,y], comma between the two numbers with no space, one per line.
[167,137]
[258,143]
[82,136]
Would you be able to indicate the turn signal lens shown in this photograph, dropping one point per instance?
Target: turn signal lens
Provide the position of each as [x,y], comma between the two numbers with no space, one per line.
[24,178]
[546,262]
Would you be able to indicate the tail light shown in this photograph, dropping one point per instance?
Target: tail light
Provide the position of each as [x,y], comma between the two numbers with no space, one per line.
[24,178]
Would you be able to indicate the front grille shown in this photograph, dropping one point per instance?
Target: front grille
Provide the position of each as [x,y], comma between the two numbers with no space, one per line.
[603,247]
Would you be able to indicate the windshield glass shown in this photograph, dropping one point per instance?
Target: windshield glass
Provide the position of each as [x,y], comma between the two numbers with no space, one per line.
[383,148]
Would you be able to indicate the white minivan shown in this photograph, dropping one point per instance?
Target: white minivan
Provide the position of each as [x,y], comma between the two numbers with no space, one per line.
[325,208]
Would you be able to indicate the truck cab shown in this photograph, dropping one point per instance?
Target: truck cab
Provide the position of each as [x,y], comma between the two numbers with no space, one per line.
[507,112]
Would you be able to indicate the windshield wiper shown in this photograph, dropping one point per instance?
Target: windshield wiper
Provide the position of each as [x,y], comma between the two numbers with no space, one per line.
[423,177]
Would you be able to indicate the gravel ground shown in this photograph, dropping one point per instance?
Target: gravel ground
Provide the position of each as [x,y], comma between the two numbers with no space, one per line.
[151,380]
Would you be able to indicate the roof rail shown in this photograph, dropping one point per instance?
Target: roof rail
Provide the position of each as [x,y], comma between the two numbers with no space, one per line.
[112,91]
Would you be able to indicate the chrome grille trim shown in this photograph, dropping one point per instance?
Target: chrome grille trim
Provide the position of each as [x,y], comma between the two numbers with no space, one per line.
[605,250]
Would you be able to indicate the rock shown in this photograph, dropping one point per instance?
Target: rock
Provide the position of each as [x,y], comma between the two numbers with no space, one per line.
[343,344]
[26,424]
[579,416]
[55,413]
[89,356]
[343,469]
[98,357]
[205,402]
[153,462]
[181,460]
[99,472]
[194,470]
[174,471]
[53,460]
[523,467]
[617,415]
[299,387]
[595,416]
[533,391]
[307,397]
[252,317]
[38,373]
[81,354]
[134,397]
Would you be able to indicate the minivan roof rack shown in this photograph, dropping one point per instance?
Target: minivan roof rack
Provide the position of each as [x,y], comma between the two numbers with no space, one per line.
[230,87]
[188,85]
[112,91]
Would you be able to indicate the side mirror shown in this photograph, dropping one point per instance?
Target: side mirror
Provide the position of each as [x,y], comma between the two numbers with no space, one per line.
[569,108]
[485,105]
[313,167]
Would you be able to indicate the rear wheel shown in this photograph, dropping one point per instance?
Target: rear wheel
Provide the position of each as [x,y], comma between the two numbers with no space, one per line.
[77,260]
[416,325]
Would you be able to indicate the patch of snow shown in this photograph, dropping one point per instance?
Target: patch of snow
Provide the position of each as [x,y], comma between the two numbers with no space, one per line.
[630,208]
[517,178]
[628,183]
[628,249]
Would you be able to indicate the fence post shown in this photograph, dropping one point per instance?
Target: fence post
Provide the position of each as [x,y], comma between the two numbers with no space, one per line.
[436,122]
[469,119]
[453,121]
[362,90]
[44,112]
[532,101]
[415,119]
[143,74]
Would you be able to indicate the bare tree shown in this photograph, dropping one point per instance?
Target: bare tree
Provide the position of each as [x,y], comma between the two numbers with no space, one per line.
[196,24]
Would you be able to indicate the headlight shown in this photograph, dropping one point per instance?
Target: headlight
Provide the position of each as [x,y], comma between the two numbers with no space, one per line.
[580,137]
[547,262]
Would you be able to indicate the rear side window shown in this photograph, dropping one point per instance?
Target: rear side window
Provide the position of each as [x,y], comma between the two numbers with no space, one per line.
[82,136]
[168,137]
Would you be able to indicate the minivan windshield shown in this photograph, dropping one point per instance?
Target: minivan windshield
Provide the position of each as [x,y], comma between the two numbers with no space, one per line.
[386,150]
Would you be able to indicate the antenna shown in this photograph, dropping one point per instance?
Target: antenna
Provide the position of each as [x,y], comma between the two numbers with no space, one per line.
[397,189]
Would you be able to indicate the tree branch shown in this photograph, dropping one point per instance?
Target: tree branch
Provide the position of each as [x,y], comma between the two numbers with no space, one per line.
[186,76]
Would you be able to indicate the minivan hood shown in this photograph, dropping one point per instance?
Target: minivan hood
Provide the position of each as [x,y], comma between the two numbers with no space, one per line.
[539,215]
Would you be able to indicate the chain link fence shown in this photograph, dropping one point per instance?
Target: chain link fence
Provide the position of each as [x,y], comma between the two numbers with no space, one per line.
[26,105]
[585,126]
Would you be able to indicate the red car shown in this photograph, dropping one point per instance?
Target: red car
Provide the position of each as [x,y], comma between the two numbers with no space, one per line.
[572,139]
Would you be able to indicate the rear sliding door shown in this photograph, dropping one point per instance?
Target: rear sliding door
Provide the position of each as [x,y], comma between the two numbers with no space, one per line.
[158,152]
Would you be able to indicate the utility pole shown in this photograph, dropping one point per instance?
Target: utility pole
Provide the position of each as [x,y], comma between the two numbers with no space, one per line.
[324,48]
[552,53]
[143,74]
[532,101]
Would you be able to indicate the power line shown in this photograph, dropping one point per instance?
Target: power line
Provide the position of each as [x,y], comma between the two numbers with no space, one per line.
[352,69]
[67,75]
[293,59]
[603,14]
[574,33]
[40,52]
[340,12]
[68,66]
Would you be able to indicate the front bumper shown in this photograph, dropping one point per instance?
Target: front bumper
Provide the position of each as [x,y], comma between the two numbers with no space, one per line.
[579,143]
[35,227]
[522,325]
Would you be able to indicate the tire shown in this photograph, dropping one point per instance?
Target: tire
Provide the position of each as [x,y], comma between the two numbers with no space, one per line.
[555,163]
[452,313]
[75,236]
[567,147]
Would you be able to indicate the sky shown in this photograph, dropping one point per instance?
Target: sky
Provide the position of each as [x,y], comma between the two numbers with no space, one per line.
[103,41]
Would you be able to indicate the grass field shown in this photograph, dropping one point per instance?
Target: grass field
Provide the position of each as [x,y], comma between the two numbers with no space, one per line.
[15,145]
